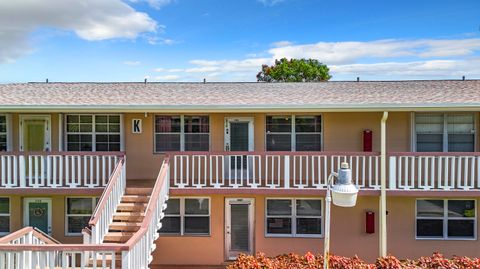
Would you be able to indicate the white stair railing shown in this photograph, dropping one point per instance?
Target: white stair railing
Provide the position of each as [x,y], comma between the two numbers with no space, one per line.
[107,205]
[142,243]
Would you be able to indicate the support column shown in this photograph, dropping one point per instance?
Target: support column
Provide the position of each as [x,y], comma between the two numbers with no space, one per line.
[383,186]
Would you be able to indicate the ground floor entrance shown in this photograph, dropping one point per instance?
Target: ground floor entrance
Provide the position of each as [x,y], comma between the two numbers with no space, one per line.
[239,226]
[38,213]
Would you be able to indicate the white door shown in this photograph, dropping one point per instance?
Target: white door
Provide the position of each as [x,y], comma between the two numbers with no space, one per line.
[34,133]
[239,226]
[37,213]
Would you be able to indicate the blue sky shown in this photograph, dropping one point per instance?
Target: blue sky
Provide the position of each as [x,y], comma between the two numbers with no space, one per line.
[188,40]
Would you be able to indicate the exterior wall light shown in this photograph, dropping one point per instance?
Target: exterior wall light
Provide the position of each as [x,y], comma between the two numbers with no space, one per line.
[344,194]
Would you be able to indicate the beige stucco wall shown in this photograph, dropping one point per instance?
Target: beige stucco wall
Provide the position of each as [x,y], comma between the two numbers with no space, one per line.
[347,228]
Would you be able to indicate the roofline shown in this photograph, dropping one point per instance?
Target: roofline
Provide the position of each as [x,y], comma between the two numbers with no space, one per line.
[242,108]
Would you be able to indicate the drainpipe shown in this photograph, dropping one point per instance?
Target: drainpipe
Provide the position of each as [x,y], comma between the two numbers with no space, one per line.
[383,185]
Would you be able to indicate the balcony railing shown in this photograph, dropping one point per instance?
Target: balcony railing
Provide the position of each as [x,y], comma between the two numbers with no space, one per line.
[274,170]
[56,169]
[300,170]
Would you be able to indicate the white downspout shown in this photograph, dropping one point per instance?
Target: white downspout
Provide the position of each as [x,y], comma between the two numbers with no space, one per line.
[383,185]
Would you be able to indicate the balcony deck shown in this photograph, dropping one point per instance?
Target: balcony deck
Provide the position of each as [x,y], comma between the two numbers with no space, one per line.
[58,172]
[284,172]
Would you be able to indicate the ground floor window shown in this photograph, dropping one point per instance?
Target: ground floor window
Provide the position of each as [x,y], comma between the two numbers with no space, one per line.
[446,219]
[187,216]
[299,217]
[79,211]
[4,215]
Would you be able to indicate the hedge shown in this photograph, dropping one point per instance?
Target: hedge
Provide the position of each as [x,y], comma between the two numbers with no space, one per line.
[310,261]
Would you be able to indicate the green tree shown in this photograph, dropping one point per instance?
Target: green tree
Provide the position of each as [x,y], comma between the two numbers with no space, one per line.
[294,70]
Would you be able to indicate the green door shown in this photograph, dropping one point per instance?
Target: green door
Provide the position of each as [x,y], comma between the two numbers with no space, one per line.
[34,135]
[38,215]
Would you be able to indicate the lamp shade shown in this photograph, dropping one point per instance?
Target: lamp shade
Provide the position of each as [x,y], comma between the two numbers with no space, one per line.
[344,195]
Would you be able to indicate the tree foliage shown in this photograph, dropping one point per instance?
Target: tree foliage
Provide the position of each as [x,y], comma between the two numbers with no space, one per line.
[294,70]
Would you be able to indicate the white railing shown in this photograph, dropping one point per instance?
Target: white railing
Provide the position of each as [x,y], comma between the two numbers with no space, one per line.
[434,171]
[141,245]
[107,205]
[282,170]
[56,169]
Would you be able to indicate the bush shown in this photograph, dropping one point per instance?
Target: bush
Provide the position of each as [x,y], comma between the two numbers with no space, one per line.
[310,261]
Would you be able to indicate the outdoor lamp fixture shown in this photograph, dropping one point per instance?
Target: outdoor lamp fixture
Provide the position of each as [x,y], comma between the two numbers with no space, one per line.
[344,194]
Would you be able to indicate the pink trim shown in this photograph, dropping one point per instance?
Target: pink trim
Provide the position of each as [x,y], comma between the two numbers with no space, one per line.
[17,234]
[261,191]
[50,191]
[64,247]
[433,193]
[151,207]
[106,193]
[263,153]
[459,154]
[66,153]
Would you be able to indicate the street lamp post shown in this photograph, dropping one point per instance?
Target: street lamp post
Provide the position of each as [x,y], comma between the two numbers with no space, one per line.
[344,194]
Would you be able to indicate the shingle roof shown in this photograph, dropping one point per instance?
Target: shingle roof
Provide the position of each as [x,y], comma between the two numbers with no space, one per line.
[217,96]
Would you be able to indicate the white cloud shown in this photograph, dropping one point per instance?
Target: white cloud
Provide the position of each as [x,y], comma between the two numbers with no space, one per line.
[282,44]
[167,77]
[88,19]
[270,2]
[131,63]
[387,59]
[157,4]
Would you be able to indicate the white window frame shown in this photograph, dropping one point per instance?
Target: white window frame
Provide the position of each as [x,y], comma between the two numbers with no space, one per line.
[94,205]
[293,132]
[445,128]
[294,217]
[9,215]
[445,219]
[93,133]
[182,131]
[182,216]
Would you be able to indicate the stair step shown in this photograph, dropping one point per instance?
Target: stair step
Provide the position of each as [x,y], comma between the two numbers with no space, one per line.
[132,207]
[117,237]
[138,191]
[128,216]
[125,226]
[135,198]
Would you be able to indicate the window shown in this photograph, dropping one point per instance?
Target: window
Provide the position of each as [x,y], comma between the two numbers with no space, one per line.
[187,216]
[79,211]
[301,133]
[182,133]
[445,132]
[4,215]
[446,219]
[3,133]
[93,132]
[304,219]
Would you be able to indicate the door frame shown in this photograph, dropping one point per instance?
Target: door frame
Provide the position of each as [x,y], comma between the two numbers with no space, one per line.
[227,224]
[251,133]
[47,139]
[26,203]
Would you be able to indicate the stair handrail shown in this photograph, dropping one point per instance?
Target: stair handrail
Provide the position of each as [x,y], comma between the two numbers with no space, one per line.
[107,205]
[148,231]
[35,232]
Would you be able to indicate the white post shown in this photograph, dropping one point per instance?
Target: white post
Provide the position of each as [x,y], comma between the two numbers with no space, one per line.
[392,175]
[287,172]
[383,181]
[326,244]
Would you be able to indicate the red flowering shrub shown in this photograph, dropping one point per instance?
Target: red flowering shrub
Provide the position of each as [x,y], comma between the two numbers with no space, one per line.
[310,261]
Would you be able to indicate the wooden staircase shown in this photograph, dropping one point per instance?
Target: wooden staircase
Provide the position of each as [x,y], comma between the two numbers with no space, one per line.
[130,212]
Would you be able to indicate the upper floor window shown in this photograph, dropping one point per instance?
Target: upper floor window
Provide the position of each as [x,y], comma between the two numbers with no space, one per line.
[445,132]
[299,133]
[446,219]
[182,133]
[3,133]
[93,132]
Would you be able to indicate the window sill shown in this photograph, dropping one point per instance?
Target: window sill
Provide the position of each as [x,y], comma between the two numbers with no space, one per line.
[294,236]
